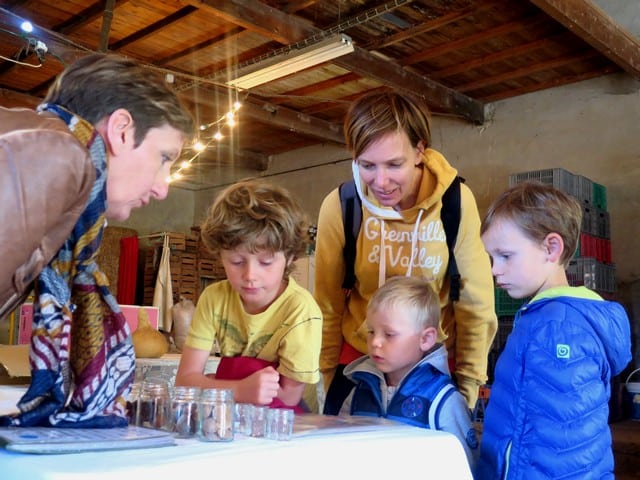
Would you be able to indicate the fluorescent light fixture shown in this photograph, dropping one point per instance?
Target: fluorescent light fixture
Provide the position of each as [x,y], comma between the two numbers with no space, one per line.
[291,61]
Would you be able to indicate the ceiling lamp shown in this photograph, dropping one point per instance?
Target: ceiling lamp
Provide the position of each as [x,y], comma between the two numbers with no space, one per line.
[291,61]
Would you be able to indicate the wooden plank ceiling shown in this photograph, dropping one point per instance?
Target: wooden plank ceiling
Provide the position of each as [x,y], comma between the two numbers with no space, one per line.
[460,55]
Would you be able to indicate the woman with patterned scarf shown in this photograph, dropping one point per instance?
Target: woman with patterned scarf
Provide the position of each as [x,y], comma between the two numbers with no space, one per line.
[102,143]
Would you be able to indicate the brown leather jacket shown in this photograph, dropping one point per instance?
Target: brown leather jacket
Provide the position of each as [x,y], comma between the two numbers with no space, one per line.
[45,179]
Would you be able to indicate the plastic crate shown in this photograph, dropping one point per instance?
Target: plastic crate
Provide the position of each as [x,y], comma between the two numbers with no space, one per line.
[582,271]
[591,273]
[505,305]
[595,247]
[603,249]
[558,177]
[584,189]
[605,278]
[589,220]
[599,196]
[602,227]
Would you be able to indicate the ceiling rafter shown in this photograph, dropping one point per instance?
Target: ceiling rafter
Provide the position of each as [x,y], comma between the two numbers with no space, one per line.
[595,27]
[486,60]
[472,40]
[430,25]
[154,28]
[556,82]
[526,71]
[256,15]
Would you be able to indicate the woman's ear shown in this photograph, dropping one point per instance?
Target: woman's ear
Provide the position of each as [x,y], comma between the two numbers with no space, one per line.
[428,338]
[420,147]
[118,131]
[554,245]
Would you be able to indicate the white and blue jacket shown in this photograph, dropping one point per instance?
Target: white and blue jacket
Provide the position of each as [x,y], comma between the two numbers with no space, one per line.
[426,397]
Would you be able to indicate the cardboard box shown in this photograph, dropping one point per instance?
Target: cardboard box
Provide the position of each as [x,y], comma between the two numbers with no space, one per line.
[14,365]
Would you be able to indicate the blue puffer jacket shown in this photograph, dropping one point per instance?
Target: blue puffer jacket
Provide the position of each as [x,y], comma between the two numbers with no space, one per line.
[548,410]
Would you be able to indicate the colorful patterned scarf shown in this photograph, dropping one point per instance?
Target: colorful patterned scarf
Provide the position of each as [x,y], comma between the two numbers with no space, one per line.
[81,357]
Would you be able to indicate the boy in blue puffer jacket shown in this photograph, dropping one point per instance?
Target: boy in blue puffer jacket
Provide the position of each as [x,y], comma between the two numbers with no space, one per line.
[548,412]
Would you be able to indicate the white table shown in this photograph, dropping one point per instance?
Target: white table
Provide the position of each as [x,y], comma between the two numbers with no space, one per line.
[384,451]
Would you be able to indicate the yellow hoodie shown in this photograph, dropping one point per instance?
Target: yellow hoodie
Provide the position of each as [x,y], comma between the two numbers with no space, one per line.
[414,244]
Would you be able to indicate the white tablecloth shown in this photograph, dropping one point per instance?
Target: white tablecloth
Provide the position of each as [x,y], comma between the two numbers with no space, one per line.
[386,451]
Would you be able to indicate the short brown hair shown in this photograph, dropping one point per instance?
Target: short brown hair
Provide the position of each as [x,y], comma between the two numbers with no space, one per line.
[377,114]
[414,294]
[539,209]
[259,216]
[96,85]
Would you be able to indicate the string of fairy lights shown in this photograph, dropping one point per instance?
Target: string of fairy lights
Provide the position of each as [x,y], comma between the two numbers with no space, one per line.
[229,120]
[203,141]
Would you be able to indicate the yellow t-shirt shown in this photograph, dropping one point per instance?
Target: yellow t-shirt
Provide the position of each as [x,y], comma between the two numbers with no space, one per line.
[288,332]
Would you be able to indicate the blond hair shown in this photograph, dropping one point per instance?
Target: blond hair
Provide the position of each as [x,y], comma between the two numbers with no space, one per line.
[539,209]
[413,294]
[258,216]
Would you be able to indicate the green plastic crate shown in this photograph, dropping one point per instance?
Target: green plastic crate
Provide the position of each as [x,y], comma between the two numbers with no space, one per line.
[599,196]
[505,305]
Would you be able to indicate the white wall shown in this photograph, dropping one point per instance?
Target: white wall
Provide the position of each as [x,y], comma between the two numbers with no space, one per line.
[174,214]
[591,128]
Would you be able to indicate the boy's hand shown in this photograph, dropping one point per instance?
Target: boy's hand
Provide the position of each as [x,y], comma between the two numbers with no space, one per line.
[260,387]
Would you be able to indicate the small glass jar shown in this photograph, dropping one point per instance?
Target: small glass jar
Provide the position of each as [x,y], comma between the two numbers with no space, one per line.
[216,415]
[184,411]
[131,400]
[154,405]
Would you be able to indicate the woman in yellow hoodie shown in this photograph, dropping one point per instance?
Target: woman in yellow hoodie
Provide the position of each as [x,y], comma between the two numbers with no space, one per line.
[400,181]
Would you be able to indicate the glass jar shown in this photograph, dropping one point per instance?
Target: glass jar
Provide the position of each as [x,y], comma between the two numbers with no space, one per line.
[216,415]
[184,411]
[154,405]
[131,400]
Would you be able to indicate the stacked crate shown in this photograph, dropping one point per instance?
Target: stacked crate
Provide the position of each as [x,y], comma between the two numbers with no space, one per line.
[209,266]
[151,261]
[183,263]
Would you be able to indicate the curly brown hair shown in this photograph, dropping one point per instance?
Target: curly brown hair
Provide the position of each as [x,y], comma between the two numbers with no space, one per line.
[259,216]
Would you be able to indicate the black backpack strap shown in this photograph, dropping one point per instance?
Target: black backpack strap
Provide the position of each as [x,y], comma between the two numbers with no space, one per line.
[450,216]
[351,219]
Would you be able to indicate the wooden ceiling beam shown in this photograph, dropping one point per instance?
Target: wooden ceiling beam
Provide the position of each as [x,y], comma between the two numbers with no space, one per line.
[528,70]
[292,120]
[430,25]
[313,88]
[472,40]
[259,18]
[228,35]
[286,29]
[594,26]
[556,82]
[394,75]
[154,28]
[274,115]
[500,56]
[223,155]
